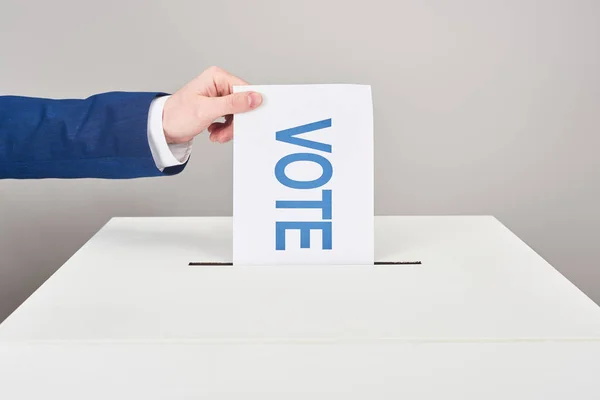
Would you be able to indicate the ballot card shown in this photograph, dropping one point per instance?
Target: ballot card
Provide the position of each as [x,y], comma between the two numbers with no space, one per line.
[303,177]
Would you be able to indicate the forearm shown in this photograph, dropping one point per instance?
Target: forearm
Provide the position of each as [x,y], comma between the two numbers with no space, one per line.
[103,136]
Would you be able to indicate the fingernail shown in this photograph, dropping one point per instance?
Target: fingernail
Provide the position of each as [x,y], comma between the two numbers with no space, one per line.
[254,99]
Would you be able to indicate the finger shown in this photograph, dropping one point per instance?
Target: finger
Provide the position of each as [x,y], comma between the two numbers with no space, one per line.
[220,125]
[232,104]
[224,81]
[216,128]
[222,134]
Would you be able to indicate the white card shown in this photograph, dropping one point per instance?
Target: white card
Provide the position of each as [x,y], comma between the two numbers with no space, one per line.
[303,177]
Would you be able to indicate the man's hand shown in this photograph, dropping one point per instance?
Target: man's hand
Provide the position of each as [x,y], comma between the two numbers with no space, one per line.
[196,106]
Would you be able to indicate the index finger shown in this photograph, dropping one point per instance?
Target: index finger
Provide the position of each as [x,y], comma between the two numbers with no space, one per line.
[224,81]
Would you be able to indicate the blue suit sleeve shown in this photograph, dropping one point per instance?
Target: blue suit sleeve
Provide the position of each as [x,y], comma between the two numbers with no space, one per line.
[104,136]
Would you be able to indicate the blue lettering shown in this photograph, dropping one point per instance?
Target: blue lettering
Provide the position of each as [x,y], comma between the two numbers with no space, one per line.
[305,228]
[289,135]
[324,204]
[291,183]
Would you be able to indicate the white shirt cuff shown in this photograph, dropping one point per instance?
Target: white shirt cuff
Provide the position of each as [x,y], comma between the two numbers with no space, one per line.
[164,154]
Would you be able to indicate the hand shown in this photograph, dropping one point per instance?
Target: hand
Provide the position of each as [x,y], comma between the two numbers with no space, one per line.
[196,106]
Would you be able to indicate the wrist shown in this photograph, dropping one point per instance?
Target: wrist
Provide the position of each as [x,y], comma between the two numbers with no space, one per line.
[172,118]
[167,121]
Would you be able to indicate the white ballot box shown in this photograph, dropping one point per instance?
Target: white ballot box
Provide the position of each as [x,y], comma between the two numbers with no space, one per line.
[482,317]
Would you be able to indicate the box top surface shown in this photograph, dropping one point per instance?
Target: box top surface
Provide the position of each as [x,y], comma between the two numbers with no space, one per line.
[477,282]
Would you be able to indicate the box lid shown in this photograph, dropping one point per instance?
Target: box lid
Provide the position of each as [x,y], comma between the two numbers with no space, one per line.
[477,282]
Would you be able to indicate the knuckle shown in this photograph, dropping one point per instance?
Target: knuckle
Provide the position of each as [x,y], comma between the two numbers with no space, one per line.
[214,69]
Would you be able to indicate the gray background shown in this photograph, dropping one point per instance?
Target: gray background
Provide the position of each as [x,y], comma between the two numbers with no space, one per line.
[481,107]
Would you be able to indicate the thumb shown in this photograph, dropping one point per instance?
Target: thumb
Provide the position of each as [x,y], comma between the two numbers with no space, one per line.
[233,104]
